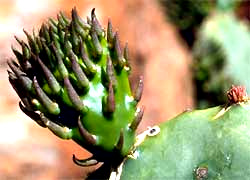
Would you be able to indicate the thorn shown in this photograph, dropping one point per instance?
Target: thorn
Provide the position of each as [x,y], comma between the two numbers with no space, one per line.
[83,80]
[62,68]
[84,162]
[110,99]
[52,107]
[120,143]
[95,23]
[53,83]
[118,51]
[90,139]
[110,34]
[18,40]
[89,64]
[138,118]
[139,90]
[96,43]
[75,99]
[33,115]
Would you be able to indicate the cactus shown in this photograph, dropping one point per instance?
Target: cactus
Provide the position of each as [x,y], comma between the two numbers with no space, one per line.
[200,144]
[221,57]
[72,78]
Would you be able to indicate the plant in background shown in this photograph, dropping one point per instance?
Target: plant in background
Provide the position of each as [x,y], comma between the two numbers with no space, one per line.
[187,15]
[221,57]
[72,78]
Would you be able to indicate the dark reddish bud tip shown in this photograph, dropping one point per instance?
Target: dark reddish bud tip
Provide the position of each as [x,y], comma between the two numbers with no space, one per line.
[237,94]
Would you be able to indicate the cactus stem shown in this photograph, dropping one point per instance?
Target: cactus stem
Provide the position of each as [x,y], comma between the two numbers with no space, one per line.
[138,117]
[84,162]
[52,107]
[53,84]
[33,115]
[86,135]
[110,34]
[75,99]
[120,143]
[139,89]
[82,79]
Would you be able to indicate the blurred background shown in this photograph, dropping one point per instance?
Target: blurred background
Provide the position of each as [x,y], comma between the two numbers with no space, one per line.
[189,52]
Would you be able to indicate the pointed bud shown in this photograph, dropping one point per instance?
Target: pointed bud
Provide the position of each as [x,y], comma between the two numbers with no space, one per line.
[110,34]
[110,99]
[118,52]
[96,44]
[62,68]
[110,72]
[53,25]
[78,19]
[84,162]
[89,64]
[45,33]
[33,115]
[139,89]
[32,43]
[138,118]
[95,23]
[52,107]
[75,99]
[126,56]
[82,79]
[90,139]
[53,83]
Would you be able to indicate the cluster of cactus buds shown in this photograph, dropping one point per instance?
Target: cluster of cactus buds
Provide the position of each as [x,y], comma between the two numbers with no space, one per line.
[72,78]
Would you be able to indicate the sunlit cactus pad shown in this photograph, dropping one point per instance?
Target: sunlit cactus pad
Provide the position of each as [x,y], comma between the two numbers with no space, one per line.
[202,144]
[72,77]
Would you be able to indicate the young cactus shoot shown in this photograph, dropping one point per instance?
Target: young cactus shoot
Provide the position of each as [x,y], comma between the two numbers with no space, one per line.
[72,77]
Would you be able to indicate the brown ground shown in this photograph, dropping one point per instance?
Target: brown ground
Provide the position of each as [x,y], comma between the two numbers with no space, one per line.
[30,152]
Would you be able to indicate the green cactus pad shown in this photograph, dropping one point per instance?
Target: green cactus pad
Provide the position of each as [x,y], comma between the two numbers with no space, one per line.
[72,77]
[202,144]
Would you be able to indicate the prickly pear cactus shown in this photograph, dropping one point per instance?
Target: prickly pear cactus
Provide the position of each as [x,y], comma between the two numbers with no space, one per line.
[221,57]
[202,144]
[72,77]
